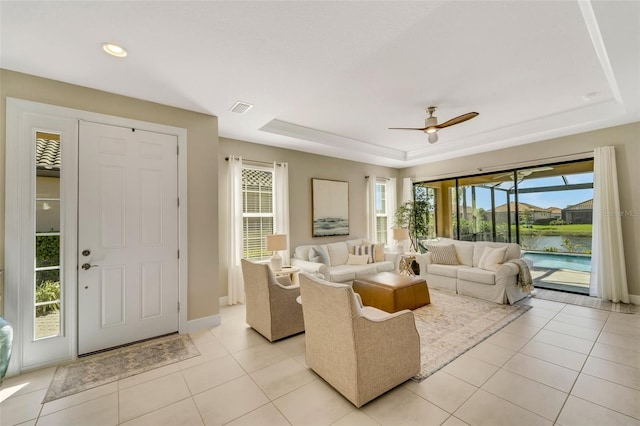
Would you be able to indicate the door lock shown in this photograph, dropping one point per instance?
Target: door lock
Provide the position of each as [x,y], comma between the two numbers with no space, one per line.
[86,252]
[86,266]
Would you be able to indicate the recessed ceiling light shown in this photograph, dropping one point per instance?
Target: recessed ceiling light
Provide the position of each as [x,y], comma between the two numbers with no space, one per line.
[114,50]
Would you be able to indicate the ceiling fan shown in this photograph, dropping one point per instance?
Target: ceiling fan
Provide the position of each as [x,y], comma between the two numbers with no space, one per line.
[431,125]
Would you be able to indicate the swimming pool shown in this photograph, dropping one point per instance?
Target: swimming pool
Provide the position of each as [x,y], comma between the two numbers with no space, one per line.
[560,261]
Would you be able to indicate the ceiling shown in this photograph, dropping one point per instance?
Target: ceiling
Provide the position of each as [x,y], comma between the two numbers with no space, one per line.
[330,77]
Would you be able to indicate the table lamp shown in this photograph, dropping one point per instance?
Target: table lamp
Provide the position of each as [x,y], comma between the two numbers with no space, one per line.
[275,243]
[400,235]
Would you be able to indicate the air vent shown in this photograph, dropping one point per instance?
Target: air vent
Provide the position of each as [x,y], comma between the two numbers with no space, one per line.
[241,107]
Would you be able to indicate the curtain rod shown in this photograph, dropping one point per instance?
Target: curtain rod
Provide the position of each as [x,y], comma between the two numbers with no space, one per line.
[257,161]
[379,177]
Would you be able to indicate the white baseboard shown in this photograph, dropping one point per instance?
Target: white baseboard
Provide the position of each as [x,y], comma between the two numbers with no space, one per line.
[201,323]
[635,299]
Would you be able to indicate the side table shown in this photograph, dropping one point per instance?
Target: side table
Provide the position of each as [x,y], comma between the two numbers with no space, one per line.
[291,271]
[405,264]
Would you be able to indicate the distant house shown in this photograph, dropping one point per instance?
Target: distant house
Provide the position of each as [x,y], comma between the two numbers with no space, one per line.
[579,213]
[47,185]
[533,213]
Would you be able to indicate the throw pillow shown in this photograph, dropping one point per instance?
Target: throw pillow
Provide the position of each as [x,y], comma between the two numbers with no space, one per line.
[355,259]
[364,251]
[378,253]
[374,251]
[491,258]
[317,254]
[443,255]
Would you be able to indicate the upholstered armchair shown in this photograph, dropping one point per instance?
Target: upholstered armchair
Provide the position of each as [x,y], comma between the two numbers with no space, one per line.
[361,351]
[271,304]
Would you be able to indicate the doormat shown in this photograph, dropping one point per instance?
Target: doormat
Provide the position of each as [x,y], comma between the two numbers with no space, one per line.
[100,369]
[452,324]
[587,301]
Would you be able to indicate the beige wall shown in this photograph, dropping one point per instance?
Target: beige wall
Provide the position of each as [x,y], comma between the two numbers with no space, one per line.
[302,167]
[202,134]
[625,139]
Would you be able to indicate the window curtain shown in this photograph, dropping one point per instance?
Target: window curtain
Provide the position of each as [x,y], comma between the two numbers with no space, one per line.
[391,209]
[407,190]
[608,273]
[235,284]
[372,227]
[281,205]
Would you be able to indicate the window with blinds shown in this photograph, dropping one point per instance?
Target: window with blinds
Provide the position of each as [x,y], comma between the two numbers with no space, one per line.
[257,212]
[381,212]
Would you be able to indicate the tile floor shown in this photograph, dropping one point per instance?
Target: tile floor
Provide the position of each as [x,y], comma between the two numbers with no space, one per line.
[557,364]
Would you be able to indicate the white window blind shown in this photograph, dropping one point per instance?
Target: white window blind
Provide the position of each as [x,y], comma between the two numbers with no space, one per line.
[257,211]
[381,212]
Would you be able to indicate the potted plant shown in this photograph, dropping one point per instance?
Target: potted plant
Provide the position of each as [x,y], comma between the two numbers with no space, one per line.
[413,216]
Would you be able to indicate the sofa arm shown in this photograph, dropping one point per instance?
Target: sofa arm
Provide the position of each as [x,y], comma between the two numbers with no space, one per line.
[423,260]
[312,268]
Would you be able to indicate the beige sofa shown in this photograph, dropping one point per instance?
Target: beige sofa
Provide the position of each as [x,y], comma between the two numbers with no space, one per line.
[495,282]
[338,267]
[359,350]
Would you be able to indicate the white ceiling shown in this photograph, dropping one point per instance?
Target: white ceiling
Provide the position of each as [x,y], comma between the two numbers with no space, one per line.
[330,77]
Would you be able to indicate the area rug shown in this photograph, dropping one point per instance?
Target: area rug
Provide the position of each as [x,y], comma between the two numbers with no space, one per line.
[587,301]
[452,324]
[100,369]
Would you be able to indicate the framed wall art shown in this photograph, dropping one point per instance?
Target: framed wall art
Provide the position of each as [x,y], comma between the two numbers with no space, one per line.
[330,207]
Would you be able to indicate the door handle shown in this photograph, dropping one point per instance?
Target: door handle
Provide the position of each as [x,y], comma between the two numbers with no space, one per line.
[86,266]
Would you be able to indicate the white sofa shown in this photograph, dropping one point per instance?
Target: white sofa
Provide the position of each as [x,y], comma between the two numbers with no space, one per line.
[496,283]
[337,268]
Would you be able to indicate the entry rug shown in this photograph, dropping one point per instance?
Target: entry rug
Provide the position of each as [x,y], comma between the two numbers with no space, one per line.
[100,369]
[452,324]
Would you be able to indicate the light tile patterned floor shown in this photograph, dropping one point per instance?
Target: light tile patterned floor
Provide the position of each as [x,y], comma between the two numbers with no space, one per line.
[557,364]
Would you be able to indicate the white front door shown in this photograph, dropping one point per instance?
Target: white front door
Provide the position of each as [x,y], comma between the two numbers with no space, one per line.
[127,235]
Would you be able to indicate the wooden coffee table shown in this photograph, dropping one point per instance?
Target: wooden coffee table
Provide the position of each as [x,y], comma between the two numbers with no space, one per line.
[392,292]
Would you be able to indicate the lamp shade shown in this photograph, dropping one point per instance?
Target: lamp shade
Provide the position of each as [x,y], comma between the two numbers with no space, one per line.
[400,234]
[276,242]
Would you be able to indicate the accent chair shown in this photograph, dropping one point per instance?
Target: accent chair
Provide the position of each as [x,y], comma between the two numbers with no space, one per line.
[271,304]
[359,350]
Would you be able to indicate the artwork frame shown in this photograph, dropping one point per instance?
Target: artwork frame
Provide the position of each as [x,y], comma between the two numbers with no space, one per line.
[330,207]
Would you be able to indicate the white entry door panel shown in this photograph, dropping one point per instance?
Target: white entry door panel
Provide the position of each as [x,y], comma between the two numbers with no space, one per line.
[127,236]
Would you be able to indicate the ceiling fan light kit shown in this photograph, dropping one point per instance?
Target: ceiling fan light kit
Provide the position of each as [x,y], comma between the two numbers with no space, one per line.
[431,125]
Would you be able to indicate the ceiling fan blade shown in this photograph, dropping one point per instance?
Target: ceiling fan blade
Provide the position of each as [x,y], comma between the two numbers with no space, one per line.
[457,120]
[407,128]
[433,137]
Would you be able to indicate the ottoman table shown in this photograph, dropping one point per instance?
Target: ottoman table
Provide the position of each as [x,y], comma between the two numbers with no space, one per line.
[392,292]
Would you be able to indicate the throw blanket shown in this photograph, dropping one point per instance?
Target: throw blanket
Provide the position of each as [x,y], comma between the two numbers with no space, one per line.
[525,282]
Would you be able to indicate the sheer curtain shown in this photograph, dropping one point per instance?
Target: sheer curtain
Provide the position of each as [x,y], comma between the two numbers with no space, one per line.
[372,226]
[608,273]
[407,190]
[391,209]
[281,204]
[235,284]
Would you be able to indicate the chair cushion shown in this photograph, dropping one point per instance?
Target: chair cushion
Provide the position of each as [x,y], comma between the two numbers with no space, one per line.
[450,271]
[477,275]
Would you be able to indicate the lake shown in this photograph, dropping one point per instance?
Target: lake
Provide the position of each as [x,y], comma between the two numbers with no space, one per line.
[540,243]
